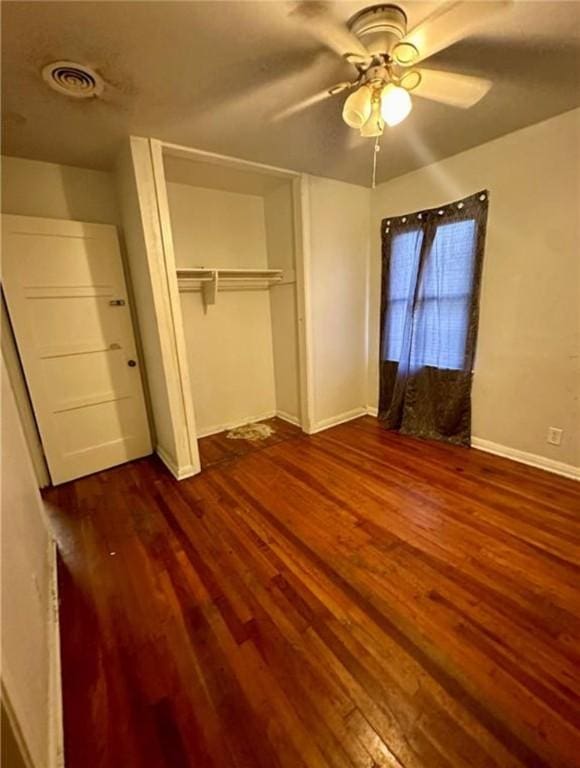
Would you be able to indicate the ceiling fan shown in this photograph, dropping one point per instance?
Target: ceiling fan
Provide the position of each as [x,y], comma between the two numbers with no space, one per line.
[385,54]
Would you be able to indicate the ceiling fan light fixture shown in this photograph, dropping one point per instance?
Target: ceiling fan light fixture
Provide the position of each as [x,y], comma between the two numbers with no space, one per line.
[395,104]
[379,27]
[338,88]
[411,80]
[357,108]
[405,54]
[375,125]
[356,58]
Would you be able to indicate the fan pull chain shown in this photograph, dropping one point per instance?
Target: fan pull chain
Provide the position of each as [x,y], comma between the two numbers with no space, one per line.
[376,150]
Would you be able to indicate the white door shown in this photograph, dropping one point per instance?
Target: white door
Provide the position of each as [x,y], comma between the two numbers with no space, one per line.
[67,301]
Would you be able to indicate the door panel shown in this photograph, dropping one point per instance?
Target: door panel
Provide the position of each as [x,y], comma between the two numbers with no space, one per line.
[111,378]
[67,300]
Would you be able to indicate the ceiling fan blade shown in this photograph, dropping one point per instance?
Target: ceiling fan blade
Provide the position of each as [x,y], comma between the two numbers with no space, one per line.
[319,21]
[451,22]
[450,88]
[310,101]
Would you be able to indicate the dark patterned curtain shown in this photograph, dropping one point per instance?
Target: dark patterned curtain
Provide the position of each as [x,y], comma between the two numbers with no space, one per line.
[432,263]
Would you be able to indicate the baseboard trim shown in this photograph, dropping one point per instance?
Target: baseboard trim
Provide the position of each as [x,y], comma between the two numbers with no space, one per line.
[179,473]
[289,418]
[334,421]
[234,424]
[531,459]
[56,734]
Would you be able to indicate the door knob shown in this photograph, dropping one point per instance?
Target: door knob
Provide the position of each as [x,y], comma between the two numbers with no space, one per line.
[132,363]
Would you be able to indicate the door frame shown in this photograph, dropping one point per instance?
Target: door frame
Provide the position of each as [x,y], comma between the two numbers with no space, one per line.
[301,214]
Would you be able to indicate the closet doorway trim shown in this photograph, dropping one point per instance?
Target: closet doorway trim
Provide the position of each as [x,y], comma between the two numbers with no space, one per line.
[301,214]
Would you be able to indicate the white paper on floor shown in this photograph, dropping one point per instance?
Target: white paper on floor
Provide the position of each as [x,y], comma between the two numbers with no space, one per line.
[250,432]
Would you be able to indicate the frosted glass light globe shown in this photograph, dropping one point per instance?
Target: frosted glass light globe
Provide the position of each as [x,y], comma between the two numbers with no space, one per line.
[395,104]
[357,108]
[375,124]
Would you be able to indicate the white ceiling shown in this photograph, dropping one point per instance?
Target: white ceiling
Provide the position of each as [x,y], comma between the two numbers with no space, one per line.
[212,75]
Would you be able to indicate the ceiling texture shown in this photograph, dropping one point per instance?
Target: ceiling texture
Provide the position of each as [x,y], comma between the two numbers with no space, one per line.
[213,75]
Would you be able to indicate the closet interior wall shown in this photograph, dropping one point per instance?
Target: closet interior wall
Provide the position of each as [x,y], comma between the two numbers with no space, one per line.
[242,351]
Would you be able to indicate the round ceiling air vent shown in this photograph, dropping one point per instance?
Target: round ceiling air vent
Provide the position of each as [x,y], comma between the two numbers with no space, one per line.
[72,79]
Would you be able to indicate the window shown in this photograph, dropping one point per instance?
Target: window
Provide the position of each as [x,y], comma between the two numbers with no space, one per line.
[432,262]
[435,322]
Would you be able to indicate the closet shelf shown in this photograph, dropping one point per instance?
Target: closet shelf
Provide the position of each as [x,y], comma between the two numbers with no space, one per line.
[207,273]
[210,280]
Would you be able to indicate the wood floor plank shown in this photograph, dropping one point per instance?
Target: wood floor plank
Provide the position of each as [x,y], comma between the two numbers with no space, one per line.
[352,599]
[219,448]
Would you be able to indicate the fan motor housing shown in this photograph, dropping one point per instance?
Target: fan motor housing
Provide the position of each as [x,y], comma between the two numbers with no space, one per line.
[379,27]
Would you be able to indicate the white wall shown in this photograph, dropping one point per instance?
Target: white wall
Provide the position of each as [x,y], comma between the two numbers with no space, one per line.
[214,228]
[26,571]
[339,251]
[279,214]
[229,344]
[230,360]
[527,371]
[33,188]
[229,228]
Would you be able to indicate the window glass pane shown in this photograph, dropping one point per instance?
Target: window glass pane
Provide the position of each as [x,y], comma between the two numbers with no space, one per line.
[449,267]
[404,260]
[440,333]
[442,313]
[405,251]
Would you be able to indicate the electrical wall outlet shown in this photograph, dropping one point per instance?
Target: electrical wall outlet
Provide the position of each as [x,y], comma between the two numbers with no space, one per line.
[554,436]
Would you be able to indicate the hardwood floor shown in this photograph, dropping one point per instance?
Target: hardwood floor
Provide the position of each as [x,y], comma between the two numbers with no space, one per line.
[355,598]
[218,448]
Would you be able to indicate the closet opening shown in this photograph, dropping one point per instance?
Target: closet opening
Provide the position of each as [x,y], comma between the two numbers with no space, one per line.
[232,235]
